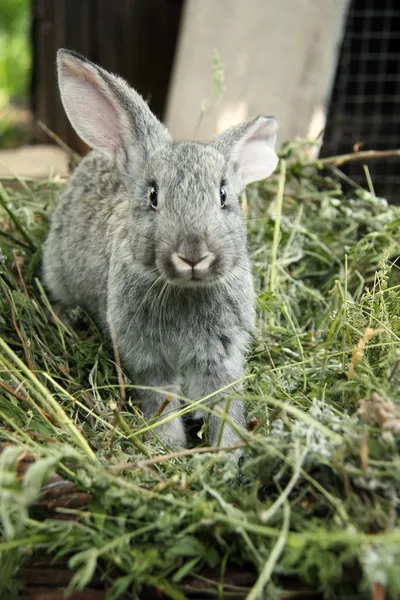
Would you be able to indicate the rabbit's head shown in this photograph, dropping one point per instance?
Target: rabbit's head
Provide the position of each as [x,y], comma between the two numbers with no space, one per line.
[187,224]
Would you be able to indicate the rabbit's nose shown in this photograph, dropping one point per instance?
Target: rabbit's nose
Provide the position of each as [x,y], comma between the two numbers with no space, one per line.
[193,262]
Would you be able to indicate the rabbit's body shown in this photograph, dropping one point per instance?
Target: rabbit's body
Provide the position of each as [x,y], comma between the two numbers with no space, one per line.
[145,248]
[79,231]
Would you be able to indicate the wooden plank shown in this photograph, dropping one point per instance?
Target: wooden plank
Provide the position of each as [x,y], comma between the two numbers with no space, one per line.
[133,38]
[154,31]
[43,64]
[78,37]
[60,40]
[108,35]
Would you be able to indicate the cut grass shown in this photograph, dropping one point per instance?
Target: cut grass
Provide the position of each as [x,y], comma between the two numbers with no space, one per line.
[316,496]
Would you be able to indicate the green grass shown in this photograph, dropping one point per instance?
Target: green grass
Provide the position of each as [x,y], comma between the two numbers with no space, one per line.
[315,500]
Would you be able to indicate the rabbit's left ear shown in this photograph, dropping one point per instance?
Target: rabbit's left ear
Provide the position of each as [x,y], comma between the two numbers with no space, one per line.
[106,112]
[251,148]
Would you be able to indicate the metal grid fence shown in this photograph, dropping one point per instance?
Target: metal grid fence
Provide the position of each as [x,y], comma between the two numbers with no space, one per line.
[365,103]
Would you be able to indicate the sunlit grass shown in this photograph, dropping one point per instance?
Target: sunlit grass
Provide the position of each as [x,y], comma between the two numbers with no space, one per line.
[316,496]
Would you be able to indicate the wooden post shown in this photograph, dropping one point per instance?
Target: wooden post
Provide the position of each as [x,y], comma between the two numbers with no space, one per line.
[133,38]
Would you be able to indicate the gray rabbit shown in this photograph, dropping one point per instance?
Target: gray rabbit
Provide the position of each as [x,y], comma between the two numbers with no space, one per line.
[149,238]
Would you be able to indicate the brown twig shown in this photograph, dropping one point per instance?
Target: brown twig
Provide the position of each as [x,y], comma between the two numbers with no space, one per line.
[11,391]
[340,159]
[364,451]
[179,454]
[17,266]
[53,136]
[377,591]
[357,353]
[21,337]
[163,406]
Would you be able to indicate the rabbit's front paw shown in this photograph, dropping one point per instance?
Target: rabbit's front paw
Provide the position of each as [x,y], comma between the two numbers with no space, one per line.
[172,434]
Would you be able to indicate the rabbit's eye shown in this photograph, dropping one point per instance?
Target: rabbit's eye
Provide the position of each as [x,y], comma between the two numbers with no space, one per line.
[153,197]
[222,195]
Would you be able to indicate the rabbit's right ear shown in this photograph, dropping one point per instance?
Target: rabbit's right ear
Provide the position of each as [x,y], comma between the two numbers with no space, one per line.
[250,146]
[105,112]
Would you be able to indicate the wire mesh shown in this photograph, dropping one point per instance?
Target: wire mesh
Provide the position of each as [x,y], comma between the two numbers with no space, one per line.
[365,103]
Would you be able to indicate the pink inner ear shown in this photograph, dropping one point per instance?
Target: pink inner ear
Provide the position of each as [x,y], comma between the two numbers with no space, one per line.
[90,106]
[256,159]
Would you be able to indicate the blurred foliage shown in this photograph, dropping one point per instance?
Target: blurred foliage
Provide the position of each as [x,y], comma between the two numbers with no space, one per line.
[15,55]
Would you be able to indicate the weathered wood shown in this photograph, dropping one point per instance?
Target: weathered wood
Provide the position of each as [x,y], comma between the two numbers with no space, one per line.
[133,38]
[56,492]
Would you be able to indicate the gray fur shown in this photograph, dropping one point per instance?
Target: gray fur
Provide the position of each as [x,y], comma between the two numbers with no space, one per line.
[110,252]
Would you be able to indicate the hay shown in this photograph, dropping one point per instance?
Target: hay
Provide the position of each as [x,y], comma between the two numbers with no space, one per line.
[315,500]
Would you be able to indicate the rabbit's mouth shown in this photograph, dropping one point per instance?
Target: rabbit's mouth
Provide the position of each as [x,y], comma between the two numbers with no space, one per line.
[193,282]
[192,272]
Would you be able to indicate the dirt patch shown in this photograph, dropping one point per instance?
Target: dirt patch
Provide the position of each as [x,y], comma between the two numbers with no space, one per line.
[37,162]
